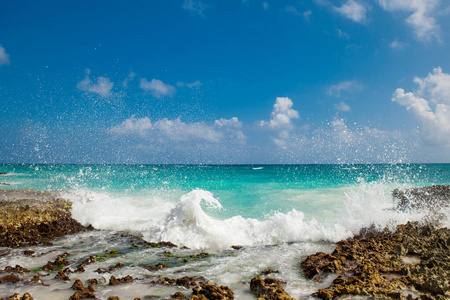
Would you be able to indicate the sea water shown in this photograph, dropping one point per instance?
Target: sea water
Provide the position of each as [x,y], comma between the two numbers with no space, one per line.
[279,213]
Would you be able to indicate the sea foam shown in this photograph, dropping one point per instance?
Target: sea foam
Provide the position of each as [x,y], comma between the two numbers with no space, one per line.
[187,223]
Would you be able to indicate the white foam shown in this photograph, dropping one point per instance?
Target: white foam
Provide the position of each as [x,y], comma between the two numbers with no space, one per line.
[187,224]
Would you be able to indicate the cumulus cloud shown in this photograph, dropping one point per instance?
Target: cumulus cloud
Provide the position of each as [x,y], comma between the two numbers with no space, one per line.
[421,18]
[158,88]
[179,131]
[433,115]
[353,11]
[4,57]
[281,119]
[344,86]
[195,6]
[342,106]
[102,87]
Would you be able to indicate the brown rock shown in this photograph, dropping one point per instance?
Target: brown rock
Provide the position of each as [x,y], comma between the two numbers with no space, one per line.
[17,296]
[30,222]
[212,292]
[269,289]
[78,285]
[114,281]
[10,278]
[83,294]
[16,269]
[113,298]
[62,276]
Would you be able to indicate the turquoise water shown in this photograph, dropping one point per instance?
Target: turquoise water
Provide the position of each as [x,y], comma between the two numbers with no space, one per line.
[146,198]
[279,213]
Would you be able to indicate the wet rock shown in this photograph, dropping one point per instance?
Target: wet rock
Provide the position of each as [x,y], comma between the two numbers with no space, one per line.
[322,263]
[185,281]
[416,257]
[236,247]
[212,292]
[81,291]
[59,263]
[10,278]
[16,269]
[113,298]
[110,268]
[78,285]
[62,276]
[29,253]
[269,289]
[268,271]
[157,267]
[92,282]
[178,295]
[36,279]
[17,296]
[31,217]
[114,281]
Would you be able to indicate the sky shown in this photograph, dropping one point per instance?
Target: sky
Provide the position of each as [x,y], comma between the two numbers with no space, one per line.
[225,82]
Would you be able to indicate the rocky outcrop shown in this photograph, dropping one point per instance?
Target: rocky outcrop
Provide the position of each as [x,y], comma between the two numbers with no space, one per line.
[269,289]
[414,261]
[114,281]
[29,217]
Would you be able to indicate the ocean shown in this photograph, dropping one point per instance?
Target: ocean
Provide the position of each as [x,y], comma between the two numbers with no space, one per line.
[278,213]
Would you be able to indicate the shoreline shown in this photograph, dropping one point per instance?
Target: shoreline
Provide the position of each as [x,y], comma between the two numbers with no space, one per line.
[376,263]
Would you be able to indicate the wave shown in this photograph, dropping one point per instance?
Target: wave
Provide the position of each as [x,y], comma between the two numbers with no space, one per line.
[186,223]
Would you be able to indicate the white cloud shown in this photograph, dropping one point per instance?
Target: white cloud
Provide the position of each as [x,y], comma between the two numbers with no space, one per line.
[178,131]
[280,119]
[265,5]
[344,86]
[396,44]
[342,106]
[4,57]
[434,122]
[191,85]
[353,11]
[195,6]
[421,18]
[129,78]
[102,87]
[158,88]
[293,10]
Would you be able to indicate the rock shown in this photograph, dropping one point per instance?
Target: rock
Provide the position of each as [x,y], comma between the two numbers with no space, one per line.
[212,292]
[62,276]
[113,298]
[29,252]
[10,278]
[36,221]
[178,295]
[269,289]
[78,285]
[83,293]
[92,282]
[59,262]
[17,296]
[16,269]
[114,281]
[379,264]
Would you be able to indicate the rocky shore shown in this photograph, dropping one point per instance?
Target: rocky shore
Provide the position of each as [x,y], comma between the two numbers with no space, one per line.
[412,262]
[29,217]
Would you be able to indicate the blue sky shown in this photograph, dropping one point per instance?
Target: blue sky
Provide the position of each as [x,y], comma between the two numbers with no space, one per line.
[188,81]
